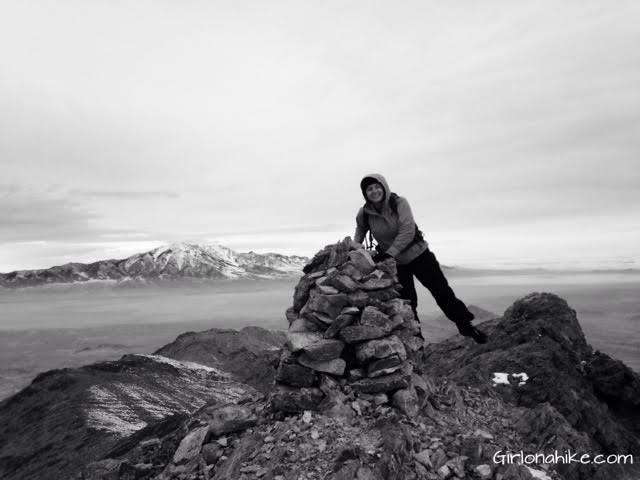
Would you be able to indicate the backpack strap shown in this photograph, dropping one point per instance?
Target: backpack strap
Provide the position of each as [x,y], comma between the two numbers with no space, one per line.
[393,204]
[368,238]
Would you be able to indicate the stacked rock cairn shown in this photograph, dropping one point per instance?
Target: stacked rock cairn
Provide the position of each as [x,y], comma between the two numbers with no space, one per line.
[348,331]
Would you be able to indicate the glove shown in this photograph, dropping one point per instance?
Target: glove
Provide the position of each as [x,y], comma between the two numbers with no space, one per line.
[380,256]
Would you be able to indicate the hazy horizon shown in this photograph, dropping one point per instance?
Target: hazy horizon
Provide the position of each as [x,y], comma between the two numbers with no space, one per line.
[507,267]
[512,128]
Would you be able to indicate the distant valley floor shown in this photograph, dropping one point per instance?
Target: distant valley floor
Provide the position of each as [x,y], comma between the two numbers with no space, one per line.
[41,330]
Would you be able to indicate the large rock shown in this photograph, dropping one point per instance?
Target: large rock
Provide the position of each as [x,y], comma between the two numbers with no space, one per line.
[412,342]
[380,348]
[384,366]
[305,325]
[389,267]
[539,335]
[229,418]
[339,253]
[190,445]
[338,324]
[321,320]
[377,284]
[351,271]
[613,380]
[331,305]
[328,290]
[360,333]
[319,261]
[382,295]
[399,306]
[406,400]
[361,260]
[373,317]
[385,383]
[302,289]
[294,374]
[300,340]
[344,283]
[324,350]
[335,366]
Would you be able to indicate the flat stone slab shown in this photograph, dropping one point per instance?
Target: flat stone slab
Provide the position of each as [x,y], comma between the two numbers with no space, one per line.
[377,284]
[328,290]
[393,381]
[334,367]
[299,340]
[380,348]
[190,445]
[384,366]
[304,325]
[318,318]
[360,333]
[324,350]
[350,311]
[383,295]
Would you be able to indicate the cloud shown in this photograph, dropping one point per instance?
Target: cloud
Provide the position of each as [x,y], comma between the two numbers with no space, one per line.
[29,215]
[132,194]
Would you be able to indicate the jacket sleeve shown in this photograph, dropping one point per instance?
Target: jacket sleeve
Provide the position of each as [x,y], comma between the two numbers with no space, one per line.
[361,228]
[406,228]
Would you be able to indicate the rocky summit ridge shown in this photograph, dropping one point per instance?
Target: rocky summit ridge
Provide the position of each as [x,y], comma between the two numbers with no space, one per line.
[536,387]
[169,262]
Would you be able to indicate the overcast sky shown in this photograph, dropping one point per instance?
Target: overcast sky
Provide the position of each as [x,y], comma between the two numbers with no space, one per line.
[513,128]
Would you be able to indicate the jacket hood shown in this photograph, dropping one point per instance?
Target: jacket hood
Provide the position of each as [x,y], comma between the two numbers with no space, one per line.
[382,181]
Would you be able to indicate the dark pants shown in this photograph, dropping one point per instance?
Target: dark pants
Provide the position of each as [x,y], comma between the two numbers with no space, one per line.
[427,269]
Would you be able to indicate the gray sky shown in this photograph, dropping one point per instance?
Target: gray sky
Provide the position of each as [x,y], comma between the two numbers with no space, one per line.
[513,128]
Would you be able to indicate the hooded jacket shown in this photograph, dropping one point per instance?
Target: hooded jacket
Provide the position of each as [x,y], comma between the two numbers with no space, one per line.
[394,232]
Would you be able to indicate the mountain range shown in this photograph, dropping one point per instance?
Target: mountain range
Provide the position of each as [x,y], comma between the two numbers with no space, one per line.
[167,263]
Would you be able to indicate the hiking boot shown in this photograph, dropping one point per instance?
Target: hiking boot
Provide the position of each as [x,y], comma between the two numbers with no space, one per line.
[469,330]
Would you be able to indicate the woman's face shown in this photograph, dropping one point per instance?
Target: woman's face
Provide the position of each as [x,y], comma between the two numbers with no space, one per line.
[374,192]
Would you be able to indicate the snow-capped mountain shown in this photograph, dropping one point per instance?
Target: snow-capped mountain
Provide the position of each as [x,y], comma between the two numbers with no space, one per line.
[170,262]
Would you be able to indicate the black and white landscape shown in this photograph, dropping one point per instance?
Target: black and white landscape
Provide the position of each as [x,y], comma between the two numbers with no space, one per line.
[166,263]
[180,298]
[204,404]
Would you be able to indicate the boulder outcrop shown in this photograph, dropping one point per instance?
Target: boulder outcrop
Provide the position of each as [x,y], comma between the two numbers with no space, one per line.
[538,359]
[528,391]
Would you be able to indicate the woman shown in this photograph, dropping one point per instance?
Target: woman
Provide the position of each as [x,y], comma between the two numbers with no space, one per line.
[389,219]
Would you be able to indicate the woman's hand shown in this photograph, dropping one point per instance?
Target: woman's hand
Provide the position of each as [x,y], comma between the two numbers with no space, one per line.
[380,256]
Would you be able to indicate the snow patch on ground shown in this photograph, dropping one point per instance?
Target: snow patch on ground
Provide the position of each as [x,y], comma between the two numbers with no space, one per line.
[538,473]
[143,398]
[183,364]
[502,378]
[108,413]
